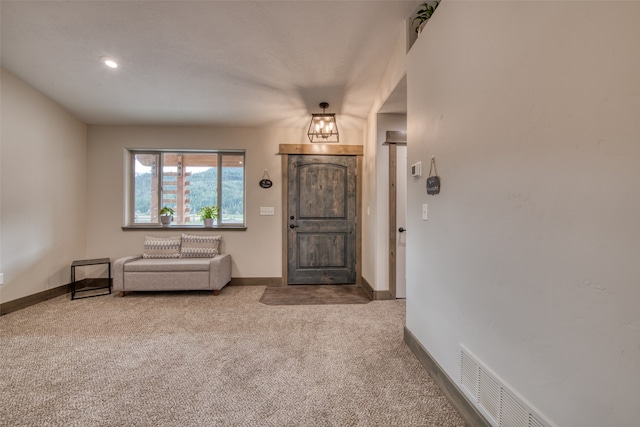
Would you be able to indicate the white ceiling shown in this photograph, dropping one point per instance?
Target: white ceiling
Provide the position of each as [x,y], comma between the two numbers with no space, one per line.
[231,63]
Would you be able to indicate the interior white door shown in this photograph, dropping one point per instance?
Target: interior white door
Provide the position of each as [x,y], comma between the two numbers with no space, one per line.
[401,221]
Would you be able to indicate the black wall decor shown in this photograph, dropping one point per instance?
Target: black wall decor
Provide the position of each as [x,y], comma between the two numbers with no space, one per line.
[433,181]
[265,182]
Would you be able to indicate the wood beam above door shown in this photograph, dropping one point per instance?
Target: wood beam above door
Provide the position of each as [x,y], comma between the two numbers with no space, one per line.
[329,149]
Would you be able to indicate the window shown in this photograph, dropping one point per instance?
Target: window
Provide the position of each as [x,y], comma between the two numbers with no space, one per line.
[185,182]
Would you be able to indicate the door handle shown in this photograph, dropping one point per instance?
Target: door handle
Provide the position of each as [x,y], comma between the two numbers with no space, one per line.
[293,226]
[402,230]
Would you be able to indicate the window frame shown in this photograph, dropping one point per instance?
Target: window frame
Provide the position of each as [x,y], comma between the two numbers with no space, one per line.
[130,187]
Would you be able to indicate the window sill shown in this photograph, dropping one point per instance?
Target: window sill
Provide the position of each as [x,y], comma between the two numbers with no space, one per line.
[229,227]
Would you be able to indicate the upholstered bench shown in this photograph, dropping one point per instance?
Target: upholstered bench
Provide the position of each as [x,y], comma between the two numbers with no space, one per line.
[176,263]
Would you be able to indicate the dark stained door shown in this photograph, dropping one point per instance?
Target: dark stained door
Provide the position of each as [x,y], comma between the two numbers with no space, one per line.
[322,219]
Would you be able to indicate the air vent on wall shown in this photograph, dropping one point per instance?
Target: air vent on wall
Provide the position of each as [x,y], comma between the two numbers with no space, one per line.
[469,378]
[534,423]
[512,413]
[500,404]
[489,396]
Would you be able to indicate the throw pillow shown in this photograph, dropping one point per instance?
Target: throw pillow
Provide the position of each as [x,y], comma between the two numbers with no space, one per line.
[161,247]
[199,246]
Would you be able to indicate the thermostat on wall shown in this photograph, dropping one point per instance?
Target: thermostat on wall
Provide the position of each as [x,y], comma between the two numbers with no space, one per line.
[416,169]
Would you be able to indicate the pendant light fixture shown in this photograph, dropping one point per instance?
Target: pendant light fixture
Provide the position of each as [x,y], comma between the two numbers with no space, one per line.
[323,127]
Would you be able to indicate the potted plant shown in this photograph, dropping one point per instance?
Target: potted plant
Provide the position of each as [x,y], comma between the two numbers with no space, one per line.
[166,216]
[208,214]
[424,14]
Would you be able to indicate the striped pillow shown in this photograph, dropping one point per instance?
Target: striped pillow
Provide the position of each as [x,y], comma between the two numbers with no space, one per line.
[199,246]
[161,247]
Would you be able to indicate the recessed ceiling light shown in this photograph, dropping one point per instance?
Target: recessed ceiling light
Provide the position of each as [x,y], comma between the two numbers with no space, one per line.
[109,62]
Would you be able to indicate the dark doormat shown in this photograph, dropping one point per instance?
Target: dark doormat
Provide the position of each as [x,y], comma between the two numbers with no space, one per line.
[314,295]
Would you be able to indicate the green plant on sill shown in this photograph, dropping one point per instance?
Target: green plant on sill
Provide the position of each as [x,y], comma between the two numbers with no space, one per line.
[166,210]
[425,13]
[208,212]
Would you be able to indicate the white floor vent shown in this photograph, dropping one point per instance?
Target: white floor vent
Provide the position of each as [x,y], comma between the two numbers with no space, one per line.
[494,398]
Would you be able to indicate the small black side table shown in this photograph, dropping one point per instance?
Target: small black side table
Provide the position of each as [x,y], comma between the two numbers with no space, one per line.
[85,262]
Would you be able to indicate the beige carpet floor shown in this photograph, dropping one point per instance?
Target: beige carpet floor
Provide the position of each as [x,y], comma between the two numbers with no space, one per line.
[192,359]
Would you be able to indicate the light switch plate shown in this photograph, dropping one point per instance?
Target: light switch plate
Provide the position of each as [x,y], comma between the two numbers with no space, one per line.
[424,212]
[416,170]
[267,210]
[1,278]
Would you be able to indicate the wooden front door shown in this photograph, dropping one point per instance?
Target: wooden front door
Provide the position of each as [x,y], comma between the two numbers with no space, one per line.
[321,216]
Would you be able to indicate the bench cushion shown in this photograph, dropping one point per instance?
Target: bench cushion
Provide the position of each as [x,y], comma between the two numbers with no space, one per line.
[172,264]
[134,273]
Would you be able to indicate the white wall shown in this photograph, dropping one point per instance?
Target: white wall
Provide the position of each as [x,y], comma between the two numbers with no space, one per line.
[530,257]
[43,189]
[256,252]
[376,223]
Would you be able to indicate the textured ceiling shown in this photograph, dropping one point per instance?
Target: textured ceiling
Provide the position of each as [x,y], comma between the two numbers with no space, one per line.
[236,63]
